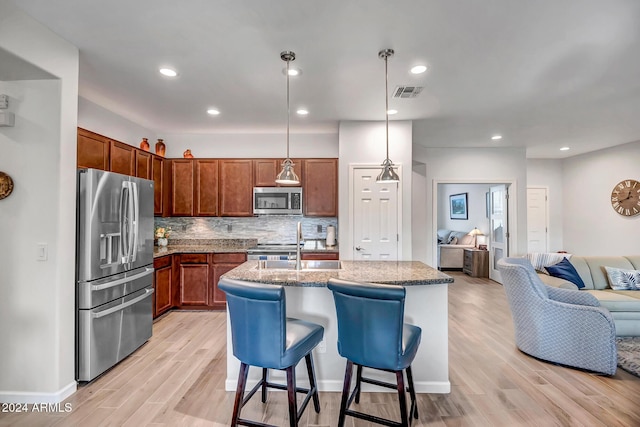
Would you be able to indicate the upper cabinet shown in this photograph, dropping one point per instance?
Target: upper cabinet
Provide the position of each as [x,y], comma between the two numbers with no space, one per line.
[122,158]
[143,164]
[265,171]
[236,187]
[206,187]
[93,150]
[182,187]
[320,187]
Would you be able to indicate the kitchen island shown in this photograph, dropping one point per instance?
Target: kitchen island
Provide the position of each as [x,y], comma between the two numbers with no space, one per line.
[308,298]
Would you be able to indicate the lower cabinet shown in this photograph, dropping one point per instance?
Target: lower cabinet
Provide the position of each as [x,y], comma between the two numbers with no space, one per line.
[197,276]
[162,284]
[319,256]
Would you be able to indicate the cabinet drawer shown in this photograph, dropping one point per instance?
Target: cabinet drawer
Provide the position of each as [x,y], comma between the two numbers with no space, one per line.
[237,257]
[320,256]
[193,259]
[162,262]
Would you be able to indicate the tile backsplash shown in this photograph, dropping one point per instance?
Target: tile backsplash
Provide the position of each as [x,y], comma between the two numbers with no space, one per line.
[267,229]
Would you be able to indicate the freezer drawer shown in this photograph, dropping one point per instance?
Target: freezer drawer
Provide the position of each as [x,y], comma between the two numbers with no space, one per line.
[109,333]
[98,292]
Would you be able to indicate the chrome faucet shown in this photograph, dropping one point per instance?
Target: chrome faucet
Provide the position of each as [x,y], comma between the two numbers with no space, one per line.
[298,239]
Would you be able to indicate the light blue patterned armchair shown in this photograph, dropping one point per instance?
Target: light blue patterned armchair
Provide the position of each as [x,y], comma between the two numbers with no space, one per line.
[562,326]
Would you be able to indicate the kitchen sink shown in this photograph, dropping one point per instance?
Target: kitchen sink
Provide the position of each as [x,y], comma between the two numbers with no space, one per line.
[307,265]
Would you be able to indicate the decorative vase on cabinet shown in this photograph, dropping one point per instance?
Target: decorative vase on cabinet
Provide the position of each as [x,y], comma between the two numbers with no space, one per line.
[160,148]
[144,145]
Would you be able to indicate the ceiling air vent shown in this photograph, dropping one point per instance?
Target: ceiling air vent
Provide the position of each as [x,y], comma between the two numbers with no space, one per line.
[407,91]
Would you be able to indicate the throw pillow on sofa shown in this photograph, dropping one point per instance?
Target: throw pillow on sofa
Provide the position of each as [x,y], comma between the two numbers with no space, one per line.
[542,260]
[623,280]
[565,270]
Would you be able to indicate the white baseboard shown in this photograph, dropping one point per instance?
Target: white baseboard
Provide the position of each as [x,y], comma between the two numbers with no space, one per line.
[33,397]
[437,387]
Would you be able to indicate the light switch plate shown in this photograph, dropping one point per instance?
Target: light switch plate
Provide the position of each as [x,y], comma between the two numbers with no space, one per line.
[4,102]
[42,252]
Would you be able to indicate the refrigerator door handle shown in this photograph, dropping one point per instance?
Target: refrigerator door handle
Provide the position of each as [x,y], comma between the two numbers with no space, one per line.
[122,306]
[147,271]
[134,223]
[124,215]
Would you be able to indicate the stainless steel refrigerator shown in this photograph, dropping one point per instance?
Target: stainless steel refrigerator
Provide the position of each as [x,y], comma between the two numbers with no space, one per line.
[114,269]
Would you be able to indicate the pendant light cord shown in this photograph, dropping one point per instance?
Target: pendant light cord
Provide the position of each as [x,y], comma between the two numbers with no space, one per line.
[288,110]
[386,97]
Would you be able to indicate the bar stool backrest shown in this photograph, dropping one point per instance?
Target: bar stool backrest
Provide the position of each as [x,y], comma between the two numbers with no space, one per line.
[370,322]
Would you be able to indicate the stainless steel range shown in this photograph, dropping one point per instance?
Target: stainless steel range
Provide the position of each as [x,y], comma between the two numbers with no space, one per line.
[266,251]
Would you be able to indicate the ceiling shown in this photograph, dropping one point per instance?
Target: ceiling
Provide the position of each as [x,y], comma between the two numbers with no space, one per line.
[544,74]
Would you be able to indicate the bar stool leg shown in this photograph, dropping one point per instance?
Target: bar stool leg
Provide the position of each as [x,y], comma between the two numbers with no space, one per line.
[412,393]
[312,382]
[264,384]
[358,382]
[291,392]
[402,397]
[345,392]
[242,382]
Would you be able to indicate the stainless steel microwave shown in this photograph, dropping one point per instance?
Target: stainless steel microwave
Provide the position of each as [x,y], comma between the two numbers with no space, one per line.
[277,201]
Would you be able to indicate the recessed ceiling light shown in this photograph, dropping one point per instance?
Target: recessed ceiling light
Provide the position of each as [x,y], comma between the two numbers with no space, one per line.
[292,71]
[168,72]
[392,112]
[418,69]
[302,112]
[496,137]
[213,111]
[565,149]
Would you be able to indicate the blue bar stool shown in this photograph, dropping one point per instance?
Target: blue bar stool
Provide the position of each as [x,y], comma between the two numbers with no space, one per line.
[263,336]
[372,334]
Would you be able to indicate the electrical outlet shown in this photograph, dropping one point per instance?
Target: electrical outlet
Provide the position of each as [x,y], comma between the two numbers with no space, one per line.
[319,228]
[229,228]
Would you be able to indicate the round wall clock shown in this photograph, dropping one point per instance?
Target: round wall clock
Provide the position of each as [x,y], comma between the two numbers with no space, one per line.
[625,197]
[6,185]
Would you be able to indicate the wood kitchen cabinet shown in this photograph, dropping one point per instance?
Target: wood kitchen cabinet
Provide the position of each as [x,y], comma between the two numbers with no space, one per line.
[122,158]
[265,171]
[194,280]
[320,187]
[92,150]
[157,167]
[222,263]
[182,187]
[163,285]
[236,187]
[143,164]
[320,255]
[206,187]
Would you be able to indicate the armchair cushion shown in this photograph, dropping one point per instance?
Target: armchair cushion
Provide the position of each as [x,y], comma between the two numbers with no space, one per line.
[565,270]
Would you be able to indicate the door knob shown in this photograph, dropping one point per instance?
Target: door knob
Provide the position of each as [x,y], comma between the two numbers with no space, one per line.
[358,248]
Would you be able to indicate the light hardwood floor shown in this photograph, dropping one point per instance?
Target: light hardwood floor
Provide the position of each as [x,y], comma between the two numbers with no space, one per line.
[177,379]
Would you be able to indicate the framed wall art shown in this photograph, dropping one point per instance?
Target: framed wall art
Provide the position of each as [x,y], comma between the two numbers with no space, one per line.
[458,206]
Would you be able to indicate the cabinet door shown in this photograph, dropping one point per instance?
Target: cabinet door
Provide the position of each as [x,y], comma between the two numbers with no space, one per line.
[222,263]
[236,187]
[162,283]
[320,187]
[157,166]
[143,164]
[122,158]
[206,188]
[319,256]
[194,276]
[182,187]
[265,171]
[92,150]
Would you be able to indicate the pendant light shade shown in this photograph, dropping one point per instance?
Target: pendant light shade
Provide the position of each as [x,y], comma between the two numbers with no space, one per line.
[387,175]
[287,175]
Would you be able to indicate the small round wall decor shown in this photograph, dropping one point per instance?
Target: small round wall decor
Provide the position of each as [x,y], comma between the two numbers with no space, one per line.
[6,185]
[625,197]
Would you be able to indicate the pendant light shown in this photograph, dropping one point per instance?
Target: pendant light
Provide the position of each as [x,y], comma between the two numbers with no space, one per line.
[287,175]
[387,174]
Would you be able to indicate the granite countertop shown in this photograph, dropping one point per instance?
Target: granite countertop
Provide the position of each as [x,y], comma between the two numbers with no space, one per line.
[186,246]
[404,273]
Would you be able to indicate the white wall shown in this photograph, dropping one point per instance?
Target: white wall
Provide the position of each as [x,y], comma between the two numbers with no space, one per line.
[37,298]
[476,207]
[548,173]
[419,212]
[97,119]
[475,165]
[252,145]
[591,226]
[365,143]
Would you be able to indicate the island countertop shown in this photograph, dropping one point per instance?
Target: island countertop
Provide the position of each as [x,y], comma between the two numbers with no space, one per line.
[402,273]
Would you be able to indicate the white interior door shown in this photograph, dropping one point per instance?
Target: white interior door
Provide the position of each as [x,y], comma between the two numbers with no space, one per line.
[375,217]
[499,238]
[537,220]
